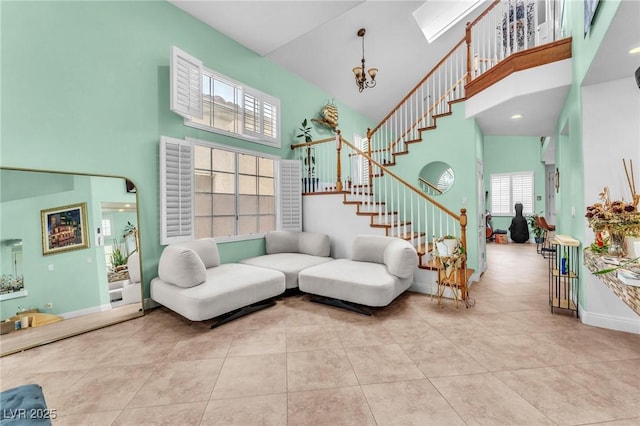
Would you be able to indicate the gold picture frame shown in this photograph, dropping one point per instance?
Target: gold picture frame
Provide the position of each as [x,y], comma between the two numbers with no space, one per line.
[64,228]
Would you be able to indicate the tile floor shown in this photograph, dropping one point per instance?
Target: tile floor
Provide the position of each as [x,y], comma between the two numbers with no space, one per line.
[504,361]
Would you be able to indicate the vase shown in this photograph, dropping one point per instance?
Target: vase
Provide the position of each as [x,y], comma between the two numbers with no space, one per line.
[616,244]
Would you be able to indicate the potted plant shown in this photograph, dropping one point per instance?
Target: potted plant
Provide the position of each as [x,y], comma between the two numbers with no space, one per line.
[305,131]
[538,233]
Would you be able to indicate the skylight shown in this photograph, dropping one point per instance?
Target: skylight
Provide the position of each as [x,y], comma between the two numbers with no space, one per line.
[435,17]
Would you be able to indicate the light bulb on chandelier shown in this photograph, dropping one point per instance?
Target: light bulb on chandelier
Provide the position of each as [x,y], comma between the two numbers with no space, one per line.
[359,72]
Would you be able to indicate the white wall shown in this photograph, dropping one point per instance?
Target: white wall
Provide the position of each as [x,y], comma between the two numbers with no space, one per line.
[328,214]
[610,132]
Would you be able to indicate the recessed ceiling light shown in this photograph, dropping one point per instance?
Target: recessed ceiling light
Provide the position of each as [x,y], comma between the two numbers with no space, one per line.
[634,50]
[516,116]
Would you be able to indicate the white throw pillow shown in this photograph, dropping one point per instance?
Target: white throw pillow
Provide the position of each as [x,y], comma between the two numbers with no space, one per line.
[401,258]
[206,249]
[314,244]
[370,248]
[181,266]
[281,242]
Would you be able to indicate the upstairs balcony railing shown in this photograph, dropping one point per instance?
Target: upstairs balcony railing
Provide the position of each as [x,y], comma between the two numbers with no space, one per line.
[507,27]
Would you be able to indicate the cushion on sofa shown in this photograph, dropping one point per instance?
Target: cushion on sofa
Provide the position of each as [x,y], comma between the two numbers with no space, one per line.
[314,244]
[365,283]
[227,287]
[281,242]
[207,250]
[401,258]
[181,266]
[289,263]
[370,248]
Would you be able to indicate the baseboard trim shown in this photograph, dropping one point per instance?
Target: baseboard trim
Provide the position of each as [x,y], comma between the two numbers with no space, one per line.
[86,311]
[610,322]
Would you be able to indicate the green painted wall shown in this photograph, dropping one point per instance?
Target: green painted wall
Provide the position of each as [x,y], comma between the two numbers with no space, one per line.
[74,272]
[86,89]
[568,134]
[450,142]
[509,154]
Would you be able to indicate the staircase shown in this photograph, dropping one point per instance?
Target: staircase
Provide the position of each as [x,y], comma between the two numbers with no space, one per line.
[390,202]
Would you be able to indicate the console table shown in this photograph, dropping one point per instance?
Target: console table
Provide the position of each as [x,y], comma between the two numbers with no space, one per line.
[563,273]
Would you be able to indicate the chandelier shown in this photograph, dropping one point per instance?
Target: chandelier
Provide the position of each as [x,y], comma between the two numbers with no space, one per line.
[359,72]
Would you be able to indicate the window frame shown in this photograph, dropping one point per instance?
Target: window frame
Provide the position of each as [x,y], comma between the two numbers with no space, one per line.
[236,151]
[511,202]
[244,89]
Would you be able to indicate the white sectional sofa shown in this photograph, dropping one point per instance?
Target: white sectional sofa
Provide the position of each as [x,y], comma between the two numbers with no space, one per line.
[192,282]
[380,269]
[292,252]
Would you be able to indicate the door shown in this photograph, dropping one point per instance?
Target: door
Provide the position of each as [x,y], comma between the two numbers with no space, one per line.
[482,221]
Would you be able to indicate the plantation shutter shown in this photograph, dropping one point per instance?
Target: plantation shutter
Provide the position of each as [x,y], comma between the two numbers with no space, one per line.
[290,214]
[507,189]
[176,191]
[269,119]
[252,116]
[522,192]
[500,194]
[186,84]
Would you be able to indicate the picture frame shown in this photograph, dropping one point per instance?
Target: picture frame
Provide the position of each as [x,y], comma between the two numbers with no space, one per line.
[64,228]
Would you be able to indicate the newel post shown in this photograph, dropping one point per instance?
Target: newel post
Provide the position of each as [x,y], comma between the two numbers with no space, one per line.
[338,164]
[369,152]
[467,38]
[463,228]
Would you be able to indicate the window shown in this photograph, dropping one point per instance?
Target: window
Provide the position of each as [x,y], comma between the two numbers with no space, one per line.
[224,106]
[507,189]
[209,190]
[234,193]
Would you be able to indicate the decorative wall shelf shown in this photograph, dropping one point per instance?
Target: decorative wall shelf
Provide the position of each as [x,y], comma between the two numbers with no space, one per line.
[629,294]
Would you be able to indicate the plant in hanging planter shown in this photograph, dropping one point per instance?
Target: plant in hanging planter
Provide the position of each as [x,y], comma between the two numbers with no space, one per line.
[305,131]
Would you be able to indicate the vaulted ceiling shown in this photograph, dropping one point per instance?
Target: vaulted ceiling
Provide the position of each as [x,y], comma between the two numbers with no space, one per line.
[317,40]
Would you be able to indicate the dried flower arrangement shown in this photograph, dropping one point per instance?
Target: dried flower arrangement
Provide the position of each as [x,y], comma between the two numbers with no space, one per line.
[616,216]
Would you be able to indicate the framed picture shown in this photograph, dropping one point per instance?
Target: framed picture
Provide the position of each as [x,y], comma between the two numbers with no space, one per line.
[64,228]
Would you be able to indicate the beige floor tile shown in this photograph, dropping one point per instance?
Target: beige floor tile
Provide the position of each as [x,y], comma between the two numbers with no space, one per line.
[552,391]
[497,354]
[104,389]
[415,402]
[178,382]
[482,399]
[364,334]
[635,421]
[616,381]
[185,414]
[319,370]
[378,364]
[312,337]
[546,368]
[251,376]
[208,344]
[257,342]
[338,406]
[414,331]
[441,358]
[266,410]
[105,418]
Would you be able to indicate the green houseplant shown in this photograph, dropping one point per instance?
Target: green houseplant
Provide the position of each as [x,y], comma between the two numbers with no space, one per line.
[538,233]
[305,131]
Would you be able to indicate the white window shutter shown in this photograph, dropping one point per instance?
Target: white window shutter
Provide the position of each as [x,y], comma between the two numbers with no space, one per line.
[186,84]
[176,191]
[290,203]
[252,113]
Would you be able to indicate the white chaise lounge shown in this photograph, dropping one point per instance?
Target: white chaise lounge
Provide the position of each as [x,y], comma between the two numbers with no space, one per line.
[381,268]
[192,282]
